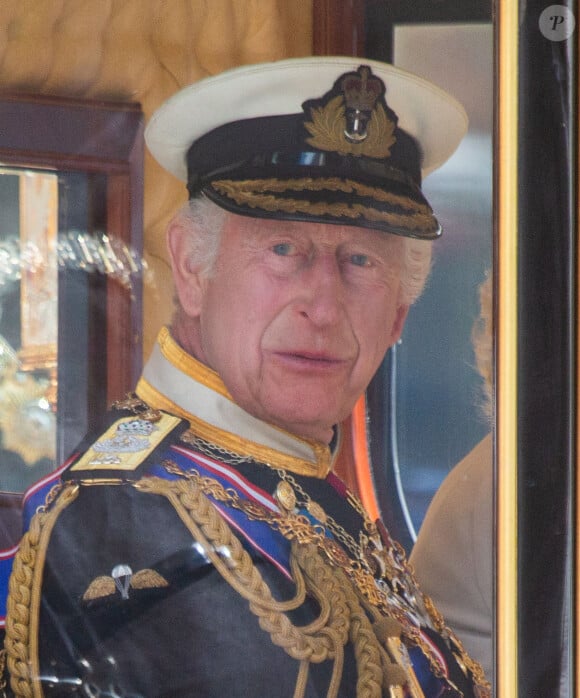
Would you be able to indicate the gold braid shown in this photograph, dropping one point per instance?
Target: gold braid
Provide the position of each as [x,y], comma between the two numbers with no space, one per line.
[212,532]
[342,616]
[24,597]
[342,613]
[18,612]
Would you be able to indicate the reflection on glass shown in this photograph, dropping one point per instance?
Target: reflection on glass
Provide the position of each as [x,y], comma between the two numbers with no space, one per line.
[55,264]
[439,389]
[28,325]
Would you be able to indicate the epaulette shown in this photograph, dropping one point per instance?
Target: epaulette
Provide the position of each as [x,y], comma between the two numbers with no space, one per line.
[129,443]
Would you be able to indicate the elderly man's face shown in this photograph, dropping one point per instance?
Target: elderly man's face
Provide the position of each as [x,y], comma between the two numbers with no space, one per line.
[296,317]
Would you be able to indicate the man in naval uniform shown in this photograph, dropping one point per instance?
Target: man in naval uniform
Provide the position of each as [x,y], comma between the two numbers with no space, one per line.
[200,544]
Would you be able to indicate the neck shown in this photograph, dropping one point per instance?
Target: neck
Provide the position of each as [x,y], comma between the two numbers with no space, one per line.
[176,382]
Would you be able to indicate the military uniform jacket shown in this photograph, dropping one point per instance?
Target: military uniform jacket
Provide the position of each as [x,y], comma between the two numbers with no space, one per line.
[173,557]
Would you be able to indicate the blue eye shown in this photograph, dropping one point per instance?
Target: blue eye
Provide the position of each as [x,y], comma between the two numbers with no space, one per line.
[283,249]
[359,260]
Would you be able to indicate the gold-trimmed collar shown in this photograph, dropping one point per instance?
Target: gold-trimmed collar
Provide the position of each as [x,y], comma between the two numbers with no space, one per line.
[176,382]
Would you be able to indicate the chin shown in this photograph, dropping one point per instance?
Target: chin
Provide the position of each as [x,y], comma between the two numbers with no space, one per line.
[304,412]
[309,426]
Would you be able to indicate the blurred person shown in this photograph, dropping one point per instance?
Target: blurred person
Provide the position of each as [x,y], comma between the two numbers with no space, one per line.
[453,554]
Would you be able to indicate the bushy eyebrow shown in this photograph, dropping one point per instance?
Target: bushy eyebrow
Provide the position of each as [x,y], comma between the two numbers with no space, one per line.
[295,230]
[286,229]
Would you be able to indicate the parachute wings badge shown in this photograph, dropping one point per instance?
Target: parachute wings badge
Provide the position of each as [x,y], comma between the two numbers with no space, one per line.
[121,580]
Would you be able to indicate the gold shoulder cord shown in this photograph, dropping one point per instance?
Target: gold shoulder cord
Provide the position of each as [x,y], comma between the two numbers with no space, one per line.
[358,566]
[367,557]
[318,565]
[24,591]
[343,616]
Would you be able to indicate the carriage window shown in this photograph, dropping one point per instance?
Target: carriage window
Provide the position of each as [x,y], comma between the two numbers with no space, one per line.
[71,273]
[28,325]
[428,396]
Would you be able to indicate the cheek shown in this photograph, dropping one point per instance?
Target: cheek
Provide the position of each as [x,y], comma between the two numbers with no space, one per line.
[239,314]
[374,323]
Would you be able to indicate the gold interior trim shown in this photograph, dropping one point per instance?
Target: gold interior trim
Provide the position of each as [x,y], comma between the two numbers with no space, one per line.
[507,360]
[577,522]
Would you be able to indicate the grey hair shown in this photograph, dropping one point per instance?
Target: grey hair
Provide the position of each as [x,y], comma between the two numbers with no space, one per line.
[416,268]
[207,219]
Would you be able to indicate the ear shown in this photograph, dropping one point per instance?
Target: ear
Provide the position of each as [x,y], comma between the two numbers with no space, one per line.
[399,323]
[186,276]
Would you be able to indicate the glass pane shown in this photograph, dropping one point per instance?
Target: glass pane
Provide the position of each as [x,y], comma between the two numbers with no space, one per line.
[439,390]
[28,325]
[55,264]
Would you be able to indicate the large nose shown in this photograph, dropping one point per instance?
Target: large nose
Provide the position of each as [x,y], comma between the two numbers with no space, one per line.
[322,290]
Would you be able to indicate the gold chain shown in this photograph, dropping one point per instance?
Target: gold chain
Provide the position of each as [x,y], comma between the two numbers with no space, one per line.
[340,533]
[388,565]
[50,498]
[298,528]
[372,554]
[210,449]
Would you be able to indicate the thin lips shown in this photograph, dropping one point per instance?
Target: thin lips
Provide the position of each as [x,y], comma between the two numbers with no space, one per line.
[323,357]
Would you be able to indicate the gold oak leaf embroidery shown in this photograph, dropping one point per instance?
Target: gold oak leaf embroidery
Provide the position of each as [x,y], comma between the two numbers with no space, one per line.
[327,130]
